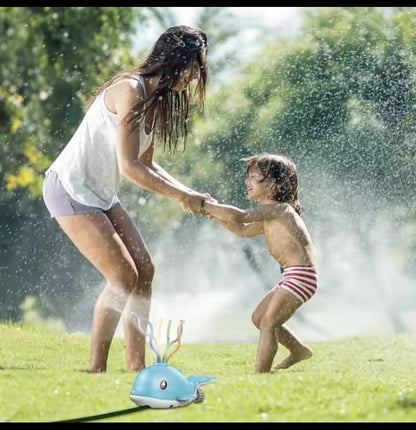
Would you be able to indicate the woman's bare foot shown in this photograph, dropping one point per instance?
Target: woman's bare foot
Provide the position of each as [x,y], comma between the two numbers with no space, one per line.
[136,369]
[96,370]
[294,357]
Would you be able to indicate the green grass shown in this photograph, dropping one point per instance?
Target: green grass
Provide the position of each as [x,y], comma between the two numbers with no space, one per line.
[43,378]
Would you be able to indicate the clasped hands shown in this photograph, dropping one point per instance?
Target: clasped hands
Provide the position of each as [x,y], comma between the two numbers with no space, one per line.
[194,203]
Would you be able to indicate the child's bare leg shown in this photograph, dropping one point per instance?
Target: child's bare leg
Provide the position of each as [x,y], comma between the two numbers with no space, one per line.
[298,351]
[281,306]
[266,349]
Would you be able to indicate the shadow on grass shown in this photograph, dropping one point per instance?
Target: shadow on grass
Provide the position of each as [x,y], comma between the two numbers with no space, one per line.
[102,416]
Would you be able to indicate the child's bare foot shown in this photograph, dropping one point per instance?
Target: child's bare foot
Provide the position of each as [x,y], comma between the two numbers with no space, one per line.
[294,357]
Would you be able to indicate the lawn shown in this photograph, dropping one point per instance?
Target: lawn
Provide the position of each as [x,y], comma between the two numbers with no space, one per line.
[44,379]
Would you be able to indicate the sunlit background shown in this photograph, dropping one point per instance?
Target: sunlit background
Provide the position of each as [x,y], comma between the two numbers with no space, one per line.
[333,88]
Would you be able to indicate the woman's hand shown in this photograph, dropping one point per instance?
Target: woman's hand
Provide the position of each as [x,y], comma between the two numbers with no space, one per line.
[210,199]
[192,203]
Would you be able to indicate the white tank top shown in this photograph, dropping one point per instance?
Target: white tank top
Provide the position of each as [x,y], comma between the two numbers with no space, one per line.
[88,166]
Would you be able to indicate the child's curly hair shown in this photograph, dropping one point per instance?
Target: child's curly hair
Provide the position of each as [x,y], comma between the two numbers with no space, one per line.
[283,171]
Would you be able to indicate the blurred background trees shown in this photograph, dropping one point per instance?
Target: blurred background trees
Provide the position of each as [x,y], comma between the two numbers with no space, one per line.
[52,59]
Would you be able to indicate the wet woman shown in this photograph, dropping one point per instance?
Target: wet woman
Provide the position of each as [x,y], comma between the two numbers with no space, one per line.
[116,138]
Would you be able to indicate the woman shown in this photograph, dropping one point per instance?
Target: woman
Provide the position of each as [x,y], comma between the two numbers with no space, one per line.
[116,138]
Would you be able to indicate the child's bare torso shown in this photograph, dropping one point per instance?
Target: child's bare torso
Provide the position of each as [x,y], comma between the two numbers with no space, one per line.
[289,241]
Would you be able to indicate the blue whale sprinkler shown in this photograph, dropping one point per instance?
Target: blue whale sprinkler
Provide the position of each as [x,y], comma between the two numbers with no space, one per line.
[161,386]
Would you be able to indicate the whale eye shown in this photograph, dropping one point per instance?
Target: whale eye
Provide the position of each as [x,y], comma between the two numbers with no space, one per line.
[163,384]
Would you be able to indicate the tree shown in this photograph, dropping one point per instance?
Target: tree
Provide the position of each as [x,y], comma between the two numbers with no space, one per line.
[342,92]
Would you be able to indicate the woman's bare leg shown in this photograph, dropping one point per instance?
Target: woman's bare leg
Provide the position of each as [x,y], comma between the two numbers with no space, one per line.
[96,238]
[140,296]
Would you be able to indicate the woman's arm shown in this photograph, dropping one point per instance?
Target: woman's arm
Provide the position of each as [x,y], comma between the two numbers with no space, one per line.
[147,159]
[134,169]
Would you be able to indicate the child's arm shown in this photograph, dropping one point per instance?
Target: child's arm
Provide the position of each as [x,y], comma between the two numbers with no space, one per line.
[244,223]
[244,230]
[232,214]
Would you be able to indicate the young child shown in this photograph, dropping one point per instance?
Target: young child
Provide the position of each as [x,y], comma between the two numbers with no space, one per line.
[272,182]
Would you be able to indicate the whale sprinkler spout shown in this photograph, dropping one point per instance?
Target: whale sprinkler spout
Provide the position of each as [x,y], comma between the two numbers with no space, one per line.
[161,386]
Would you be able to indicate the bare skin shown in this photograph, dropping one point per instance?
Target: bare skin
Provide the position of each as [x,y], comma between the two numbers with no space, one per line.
[270,304]
[289,243]
[115,247]
[143,171]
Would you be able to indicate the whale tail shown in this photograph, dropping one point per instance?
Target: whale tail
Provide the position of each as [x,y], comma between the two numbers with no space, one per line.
[201,380]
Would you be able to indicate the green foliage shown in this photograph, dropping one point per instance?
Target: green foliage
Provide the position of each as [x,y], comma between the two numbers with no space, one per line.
[222,30]
[36,311]
[44,379]
[341,94]
[52,58]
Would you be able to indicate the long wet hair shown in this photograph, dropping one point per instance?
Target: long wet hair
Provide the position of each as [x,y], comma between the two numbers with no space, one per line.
[175,49]
[283,171]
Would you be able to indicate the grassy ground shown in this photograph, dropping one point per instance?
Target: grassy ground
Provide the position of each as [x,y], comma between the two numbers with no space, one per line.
[43,379]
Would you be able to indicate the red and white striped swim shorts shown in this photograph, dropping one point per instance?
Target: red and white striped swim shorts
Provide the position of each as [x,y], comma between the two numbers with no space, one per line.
[301,281]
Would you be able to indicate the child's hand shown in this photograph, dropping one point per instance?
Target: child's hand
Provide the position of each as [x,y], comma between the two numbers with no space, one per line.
[210,198]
